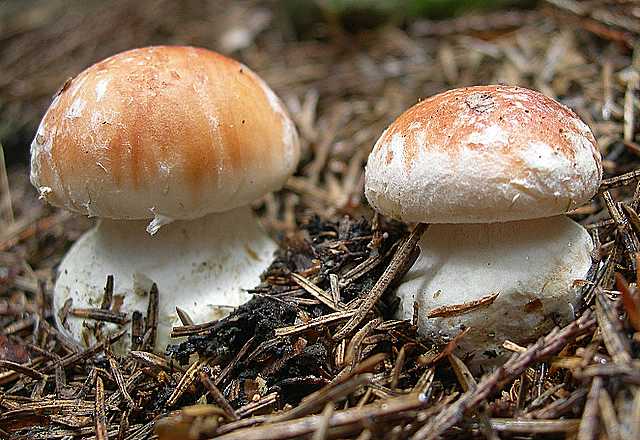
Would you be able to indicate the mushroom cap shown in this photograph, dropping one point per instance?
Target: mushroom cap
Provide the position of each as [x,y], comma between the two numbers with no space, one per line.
[483,154]
[168,131]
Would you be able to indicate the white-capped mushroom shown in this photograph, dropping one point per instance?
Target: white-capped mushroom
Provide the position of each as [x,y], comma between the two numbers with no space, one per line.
[177,141]
[493,168]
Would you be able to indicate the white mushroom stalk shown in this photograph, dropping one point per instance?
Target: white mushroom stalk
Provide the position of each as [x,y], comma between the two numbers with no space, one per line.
[167,146]
[498,281]
[492,169]
[203,266]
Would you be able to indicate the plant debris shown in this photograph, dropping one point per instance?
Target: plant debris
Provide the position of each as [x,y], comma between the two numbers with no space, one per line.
[317,353]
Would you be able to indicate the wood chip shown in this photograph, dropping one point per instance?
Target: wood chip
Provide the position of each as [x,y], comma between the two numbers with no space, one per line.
[461,309]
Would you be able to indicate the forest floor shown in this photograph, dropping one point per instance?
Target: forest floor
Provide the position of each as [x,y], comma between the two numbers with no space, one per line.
[280,366]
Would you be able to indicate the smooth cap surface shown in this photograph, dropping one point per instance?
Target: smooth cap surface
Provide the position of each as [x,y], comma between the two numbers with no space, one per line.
[483,154]
[171,132]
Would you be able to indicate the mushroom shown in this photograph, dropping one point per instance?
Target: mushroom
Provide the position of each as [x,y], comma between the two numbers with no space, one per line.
[168,146]
[492,169]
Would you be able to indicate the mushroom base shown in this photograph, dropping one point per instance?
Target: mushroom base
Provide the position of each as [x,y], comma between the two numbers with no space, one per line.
[531,265]
[201,266]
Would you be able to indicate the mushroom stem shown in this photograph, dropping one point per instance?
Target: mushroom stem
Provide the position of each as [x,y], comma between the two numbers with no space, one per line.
[507,281]
[201,266]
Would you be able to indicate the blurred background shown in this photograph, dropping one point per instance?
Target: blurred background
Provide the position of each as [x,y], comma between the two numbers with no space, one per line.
[345,69]
[373,56]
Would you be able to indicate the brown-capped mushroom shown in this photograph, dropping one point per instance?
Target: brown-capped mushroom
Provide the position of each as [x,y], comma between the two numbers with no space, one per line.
[493,169]
[177,141]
